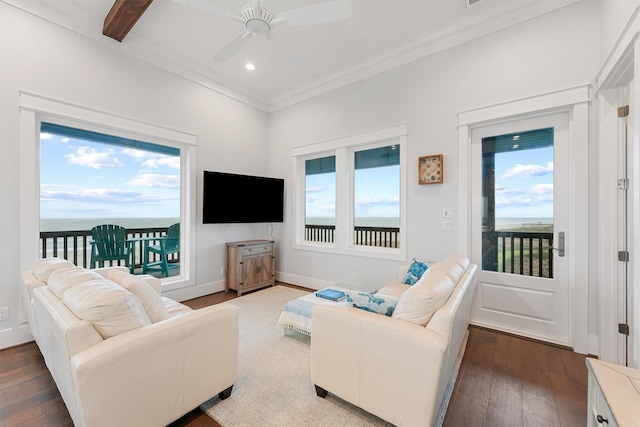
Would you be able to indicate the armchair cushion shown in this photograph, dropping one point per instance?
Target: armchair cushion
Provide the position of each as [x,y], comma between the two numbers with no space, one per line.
[150,299]
[45,266]
[422,300]
[65,278]
[111,309]
[381,304]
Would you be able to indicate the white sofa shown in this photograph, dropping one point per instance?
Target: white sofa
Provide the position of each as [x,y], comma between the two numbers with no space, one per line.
[395,367]
[122,355]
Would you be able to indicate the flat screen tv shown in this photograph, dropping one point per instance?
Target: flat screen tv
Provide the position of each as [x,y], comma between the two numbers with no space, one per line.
[230,198]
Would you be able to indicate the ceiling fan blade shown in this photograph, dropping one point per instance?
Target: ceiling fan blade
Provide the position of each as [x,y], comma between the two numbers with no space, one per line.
[321,13]
[292,56]
[232,47]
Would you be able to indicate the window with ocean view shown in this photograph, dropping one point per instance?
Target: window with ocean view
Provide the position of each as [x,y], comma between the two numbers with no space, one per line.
[376,186]
[349,197]
[90,178]
[517,187]
[320,199]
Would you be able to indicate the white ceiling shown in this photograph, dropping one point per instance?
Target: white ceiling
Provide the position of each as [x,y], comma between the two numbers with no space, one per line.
[381,34]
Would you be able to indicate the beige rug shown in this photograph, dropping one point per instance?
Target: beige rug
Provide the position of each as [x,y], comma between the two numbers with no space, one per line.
[274,387]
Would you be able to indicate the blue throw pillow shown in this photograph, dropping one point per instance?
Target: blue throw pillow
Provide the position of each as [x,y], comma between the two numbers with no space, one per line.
[371,302]
[415,272]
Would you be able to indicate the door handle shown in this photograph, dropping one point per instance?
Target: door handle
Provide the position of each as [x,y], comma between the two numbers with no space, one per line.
[560,247]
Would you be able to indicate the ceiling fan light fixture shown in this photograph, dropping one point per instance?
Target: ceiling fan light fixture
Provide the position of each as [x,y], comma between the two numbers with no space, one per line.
[257,22]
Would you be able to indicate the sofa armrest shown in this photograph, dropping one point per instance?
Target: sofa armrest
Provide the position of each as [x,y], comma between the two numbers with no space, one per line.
[386,366]
[155,374]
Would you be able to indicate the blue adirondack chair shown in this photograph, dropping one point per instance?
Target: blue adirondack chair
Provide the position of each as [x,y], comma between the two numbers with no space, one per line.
[110,244]
[169,244]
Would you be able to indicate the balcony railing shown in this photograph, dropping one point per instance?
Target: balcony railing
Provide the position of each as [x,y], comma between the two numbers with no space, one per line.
[521,252]
[75,246]
[386,237]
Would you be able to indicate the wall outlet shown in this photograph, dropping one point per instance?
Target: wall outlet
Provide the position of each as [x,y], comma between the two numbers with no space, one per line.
[223,271]
[447,212]
[4,313]
[447,224]
[355,276]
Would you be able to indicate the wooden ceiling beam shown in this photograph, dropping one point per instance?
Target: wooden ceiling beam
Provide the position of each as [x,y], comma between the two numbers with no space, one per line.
[123,16]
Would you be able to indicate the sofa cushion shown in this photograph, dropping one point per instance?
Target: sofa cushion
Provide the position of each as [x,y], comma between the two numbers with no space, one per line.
[63,279]
[150,299]
[393,289]
[415,272]
[111,309]
[421,300]
[45,266]
[371,302]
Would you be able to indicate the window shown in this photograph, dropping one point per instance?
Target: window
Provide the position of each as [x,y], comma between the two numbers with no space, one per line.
[517,213]
[90,178]
[349,196]
[320,199]
[376,202]
[36,111]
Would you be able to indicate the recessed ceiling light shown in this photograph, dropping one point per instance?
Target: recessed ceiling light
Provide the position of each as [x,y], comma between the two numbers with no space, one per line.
[249,66]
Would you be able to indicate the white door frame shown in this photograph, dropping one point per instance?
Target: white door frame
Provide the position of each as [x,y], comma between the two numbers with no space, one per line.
[575,102]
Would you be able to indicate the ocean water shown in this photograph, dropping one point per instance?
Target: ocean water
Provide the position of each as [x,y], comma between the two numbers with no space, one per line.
[79,224]
[501,223]
[69,224]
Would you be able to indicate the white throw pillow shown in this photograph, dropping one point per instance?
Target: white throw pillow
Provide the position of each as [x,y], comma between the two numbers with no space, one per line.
[45,266]
[150,299]
[61,280]
[419,302]
[111,309]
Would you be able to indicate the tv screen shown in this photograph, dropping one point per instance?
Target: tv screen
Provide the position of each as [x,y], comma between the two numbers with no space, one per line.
[231,198]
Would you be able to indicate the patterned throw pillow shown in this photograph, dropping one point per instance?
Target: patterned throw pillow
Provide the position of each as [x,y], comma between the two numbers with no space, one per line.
[415,272]
[370,302]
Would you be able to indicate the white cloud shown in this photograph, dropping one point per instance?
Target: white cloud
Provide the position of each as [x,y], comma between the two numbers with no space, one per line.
[155,180]
[153,160]
[85,156]
[528,171]
[169,161]
[542,190]
[316,189]
[105,196]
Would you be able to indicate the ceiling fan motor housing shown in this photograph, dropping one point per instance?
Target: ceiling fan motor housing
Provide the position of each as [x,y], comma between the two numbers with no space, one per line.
[257,25]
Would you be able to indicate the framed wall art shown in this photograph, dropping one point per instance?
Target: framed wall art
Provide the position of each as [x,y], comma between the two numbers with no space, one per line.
[430,169]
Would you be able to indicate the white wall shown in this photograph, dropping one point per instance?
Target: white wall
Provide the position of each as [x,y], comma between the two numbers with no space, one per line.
[44,59]
[555,51]
[614,16]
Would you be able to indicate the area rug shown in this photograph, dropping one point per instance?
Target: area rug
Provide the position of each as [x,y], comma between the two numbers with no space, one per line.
[274,386]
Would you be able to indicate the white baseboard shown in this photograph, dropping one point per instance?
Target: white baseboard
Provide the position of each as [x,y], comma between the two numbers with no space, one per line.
[307,282]
[10,337]
[195,291]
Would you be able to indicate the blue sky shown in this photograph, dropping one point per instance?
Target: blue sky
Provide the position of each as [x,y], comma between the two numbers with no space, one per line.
[524,184]
[83,179]
[377,193]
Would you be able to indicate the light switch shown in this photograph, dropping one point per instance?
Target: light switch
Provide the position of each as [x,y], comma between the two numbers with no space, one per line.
[447,224]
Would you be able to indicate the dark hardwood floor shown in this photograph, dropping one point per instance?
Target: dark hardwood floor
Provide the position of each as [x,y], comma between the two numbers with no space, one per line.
[503,380]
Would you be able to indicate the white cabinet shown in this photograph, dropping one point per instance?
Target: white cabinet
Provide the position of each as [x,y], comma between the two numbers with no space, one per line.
[250,265]
[614,395]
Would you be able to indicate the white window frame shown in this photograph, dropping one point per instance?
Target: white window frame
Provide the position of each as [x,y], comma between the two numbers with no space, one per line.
[344,148]
[35,109]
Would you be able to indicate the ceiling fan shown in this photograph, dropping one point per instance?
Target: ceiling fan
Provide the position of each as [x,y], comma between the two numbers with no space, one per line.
[260,21]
